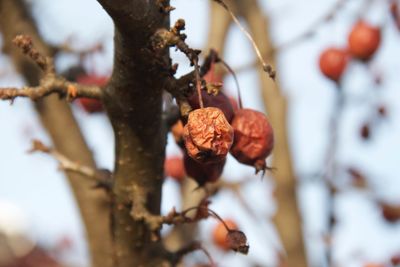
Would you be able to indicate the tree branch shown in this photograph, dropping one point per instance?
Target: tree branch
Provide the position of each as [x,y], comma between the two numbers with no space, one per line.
[50,82]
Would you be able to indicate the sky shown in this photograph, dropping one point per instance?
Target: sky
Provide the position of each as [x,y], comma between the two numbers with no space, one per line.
[31,187]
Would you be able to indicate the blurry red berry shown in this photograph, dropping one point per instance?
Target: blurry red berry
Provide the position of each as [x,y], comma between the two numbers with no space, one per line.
[220,233]
[208,136]
[88,104]
[203,173]
[92,80]
[391,213]
[220,101]
[254,139]
[333,62]
[91,105]
[174,168]
[364,40]
[395,260]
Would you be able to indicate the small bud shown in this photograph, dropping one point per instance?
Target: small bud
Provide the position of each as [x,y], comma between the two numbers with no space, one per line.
[237,241]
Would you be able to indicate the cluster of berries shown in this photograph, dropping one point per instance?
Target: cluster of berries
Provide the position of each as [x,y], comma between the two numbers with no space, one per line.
[363,41]
[213,131]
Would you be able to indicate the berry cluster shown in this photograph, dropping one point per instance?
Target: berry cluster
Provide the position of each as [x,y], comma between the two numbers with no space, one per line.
[363,41]
[214,130]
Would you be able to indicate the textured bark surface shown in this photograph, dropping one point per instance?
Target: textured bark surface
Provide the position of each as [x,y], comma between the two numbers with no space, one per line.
[57,119]
[133,102]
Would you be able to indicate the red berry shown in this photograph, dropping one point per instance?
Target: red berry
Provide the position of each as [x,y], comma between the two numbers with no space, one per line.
[208,136]
[174,168]
[364,40]
[220,101]
[395,260]
[220,233]
[203,173]
[333,62]
[92,80]
[91,105]
[254,138]
[390,212]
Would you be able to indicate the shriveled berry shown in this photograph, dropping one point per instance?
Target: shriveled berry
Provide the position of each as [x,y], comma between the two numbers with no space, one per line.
[333,62]
[208,136]
[364,40]
[203,173]
[219,100]
[220,233]
[174,168]
[254,139]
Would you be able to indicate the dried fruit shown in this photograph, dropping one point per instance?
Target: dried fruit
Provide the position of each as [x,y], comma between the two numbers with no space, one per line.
[220,100]
[174,168]
[237,241]
[220,233]
[254,138]
[203,173]
[333,62]
[88,104]
[207,135]
[364,40]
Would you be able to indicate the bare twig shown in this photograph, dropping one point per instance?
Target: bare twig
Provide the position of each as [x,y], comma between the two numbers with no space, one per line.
[101,177]
[50,83]
[266,67]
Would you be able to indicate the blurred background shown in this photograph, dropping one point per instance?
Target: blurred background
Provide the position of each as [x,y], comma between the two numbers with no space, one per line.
[38,214]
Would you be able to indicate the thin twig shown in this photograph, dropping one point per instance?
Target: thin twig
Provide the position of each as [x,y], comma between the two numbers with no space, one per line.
[50,83]
[266,67]
[99,176]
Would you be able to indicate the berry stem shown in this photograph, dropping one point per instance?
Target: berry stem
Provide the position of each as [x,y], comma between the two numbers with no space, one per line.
[198,82]
[266,67]
[231,71]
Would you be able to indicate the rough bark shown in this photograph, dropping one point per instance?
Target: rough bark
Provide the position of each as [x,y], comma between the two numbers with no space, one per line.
[133,101]
[58,120]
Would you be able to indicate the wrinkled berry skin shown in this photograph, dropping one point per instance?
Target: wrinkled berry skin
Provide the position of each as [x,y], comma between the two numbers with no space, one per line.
[203,173]
[364,40]
[254,139]
[220,101]
[333,62]
[208,136]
